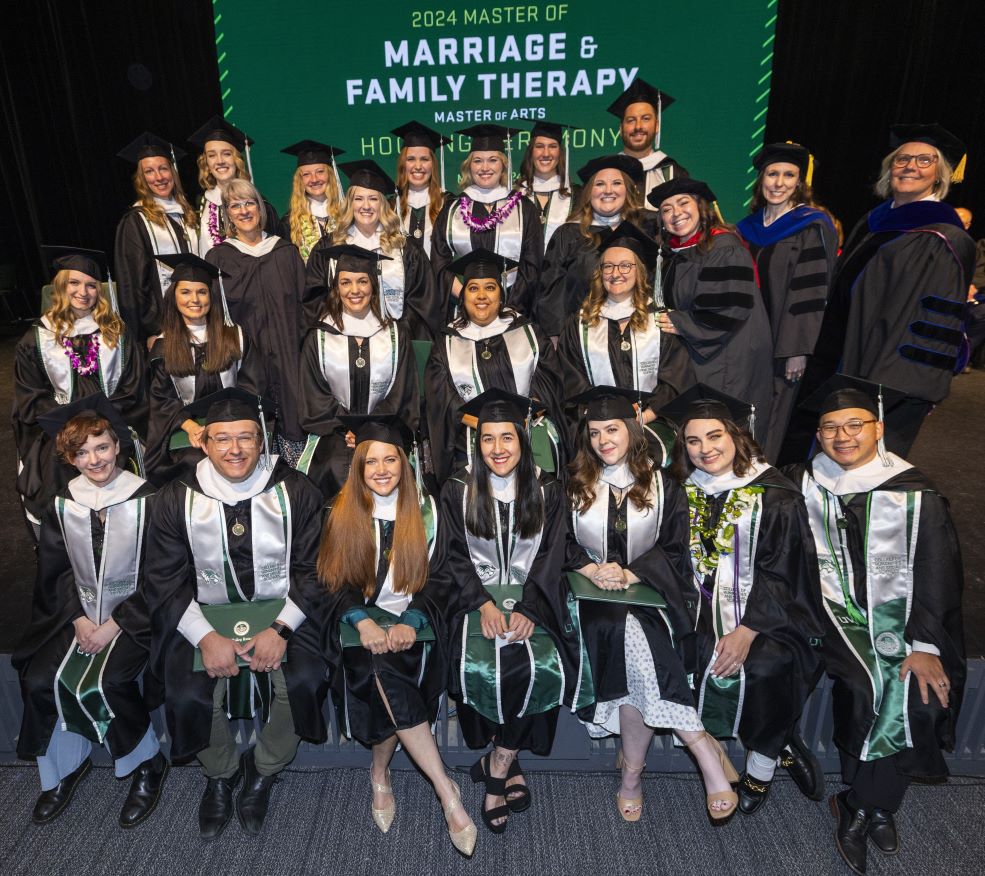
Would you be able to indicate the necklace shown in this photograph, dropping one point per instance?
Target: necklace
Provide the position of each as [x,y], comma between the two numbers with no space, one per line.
[486,352]
[496,217]
[360,361]
[217,238]
[92,355]
[238,529]
[722,534]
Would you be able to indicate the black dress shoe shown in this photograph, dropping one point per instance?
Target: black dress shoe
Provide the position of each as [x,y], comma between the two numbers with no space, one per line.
[882,831]
[799,761]
[752,793]
[254,798]
[52,803]
[145,790]
[216,807]
[851,835]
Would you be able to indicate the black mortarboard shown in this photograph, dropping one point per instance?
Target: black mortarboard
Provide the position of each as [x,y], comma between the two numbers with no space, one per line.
[841,391]
[355,258]
[488,138]
[480,264]
[369,175]
[54,421]
[607,403]
[228,405]
[499,406]
[390,429]
[149,145]
[313,152]
[632,167]
[792,153]
[416,134]
[554,130]
[680,185]
[217,128]
[188,266]
[640,91]
[628,235]
[935,135]
[702,402]
[72,258]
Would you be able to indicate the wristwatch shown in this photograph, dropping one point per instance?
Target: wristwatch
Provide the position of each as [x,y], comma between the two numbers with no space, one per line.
[282,630]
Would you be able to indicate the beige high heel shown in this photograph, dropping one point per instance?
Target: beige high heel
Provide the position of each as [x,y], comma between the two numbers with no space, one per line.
[383,817]
[720,816]
[630,808]
[463,840]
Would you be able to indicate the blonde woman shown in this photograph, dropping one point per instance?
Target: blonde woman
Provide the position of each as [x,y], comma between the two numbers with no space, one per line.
[315,195]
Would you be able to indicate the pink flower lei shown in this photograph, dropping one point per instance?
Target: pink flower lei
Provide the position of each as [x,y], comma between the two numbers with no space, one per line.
[496,217]
[92,355]
[217,238]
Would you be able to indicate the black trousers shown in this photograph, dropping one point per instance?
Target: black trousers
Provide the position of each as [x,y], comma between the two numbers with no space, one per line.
[875,784]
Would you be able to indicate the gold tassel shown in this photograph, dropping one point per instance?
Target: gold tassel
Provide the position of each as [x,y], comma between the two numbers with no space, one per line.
[809,179]
[718,213]
[958,175]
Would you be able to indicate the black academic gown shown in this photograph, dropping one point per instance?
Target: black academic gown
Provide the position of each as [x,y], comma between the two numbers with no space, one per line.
[170,576]
[719,312]
[206,241]
[264,294]
[163,463]
[525,291]
[668,169]
[444,401]
[568,266]
[320,408]
[46,641]
[935,618]
[42,473]
[783,607]
[666,568]
[416,223]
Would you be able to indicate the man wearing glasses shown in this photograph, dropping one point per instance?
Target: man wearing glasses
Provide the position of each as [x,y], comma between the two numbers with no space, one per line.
[240,534]
[890,586]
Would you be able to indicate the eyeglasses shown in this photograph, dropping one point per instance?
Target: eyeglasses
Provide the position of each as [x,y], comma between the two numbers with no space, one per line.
[622,267]
[851,428]
[225,442]
[242,205]
[923,160]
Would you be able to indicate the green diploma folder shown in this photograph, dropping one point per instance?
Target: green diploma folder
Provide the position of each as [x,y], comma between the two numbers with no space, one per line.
[637,594]
[505,596]
[350,635]
[240,621]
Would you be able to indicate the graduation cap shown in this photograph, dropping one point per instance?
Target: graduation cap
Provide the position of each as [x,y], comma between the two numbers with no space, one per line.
[97,405]
[217,128]
[499,406]
[189,267]
[789,152]
[630,236]
[680,185]
[389,429]
[607,403]
[935,135]
[369,175]
[639,91]
[232,404]
[632,167]
[313,152]
[149,145]
[73,258]
[492,138]
[417,134]
[355,258]
[702,402]
[481,264]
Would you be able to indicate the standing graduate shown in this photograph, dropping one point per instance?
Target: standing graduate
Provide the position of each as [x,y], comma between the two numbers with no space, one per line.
[420,191]
[242,528]
[544,176]
[640,112]
[795,246]
[629,526]
[315,195]
[489,214]
[714,306]
[373,560]
[897,307]
[890,585]
[264,292]
[80,659]
[366,219]
[160,222]
[753,572]
[221,147]
[78,348]
[610,195]
[489,346]
[200,351]
[356,360]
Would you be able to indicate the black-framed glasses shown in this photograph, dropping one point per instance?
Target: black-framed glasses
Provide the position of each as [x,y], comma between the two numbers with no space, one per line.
[851,428]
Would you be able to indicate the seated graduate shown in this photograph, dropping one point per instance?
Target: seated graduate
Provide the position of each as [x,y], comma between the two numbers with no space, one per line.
[373,560]
[366,219]
[82,655]
[544,175]
[488,346]
[220,159]
[199,351]
[80,347]
[610,196]
[890,585]
[315,195]
[489,214]
[242,530]
[629,526]
[420,191]
[356,360]
[752,563]
[615,339]
[515,655]
[714,304]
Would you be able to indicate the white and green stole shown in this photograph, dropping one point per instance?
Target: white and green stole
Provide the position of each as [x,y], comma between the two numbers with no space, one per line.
[509,235]
[59,369]
[645,349]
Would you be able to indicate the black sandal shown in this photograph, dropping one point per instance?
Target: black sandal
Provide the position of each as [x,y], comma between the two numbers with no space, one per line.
[518,797]
[496,788]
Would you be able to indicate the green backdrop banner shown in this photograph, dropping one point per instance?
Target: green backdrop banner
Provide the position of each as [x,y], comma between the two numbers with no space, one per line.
[346,74]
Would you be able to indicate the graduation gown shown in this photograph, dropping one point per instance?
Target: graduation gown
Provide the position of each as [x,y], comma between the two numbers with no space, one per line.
[170,573]
[44,379]
[794,257]
[777,598]
[141,280]
[211,214]
[933,617]
[446,396]
[264,293]
[323,225]
[554,212]
[716,307]
[386,384]
[659,168]
[57,603]
[418,228]
[166,403]
[523,286]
